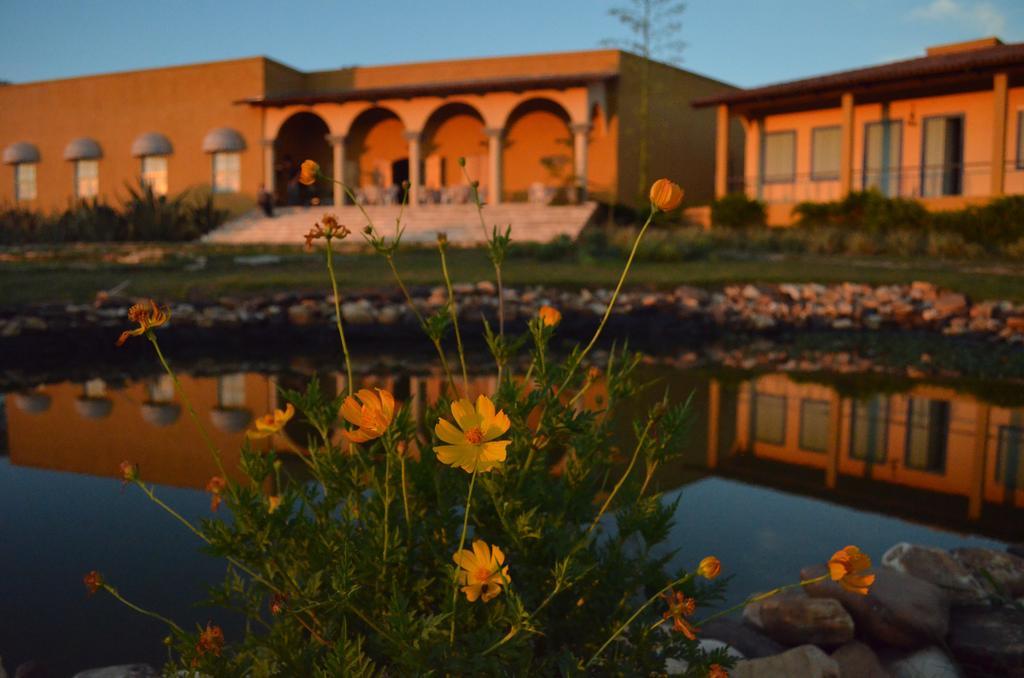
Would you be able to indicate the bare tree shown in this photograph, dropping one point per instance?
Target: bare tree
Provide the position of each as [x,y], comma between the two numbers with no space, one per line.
[654,27]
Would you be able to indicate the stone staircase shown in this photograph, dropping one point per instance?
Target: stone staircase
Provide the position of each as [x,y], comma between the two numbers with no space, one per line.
[534,223]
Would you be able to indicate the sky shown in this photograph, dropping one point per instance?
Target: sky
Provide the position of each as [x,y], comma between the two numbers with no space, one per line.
[742,42]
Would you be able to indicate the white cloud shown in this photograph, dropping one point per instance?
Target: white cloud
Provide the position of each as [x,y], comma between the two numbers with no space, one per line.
[979,14]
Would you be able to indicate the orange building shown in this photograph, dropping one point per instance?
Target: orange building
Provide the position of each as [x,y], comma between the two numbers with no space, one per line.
[944,128]
[539,128]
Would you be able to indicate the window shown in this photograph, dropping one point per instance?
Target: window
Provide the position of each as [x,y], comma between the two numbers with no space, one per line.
[814,416]
[227,172]
[1020,139]
[779,163]
[769,413]
[87,178]
[927,431]
[94,388]
[868,429]
[883,142]
[154,173]
[1010,460]
[25,181]
[942,156]
[825,151]
[231,390]
[161,389]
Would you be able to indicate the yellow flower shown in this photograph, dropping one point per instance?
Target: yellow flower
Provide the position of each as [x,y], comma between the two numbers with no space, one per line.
[709,567]
[847,566]
[549,316]
[273,503]
[129,471]
[308,172]
[272,423]
[147,318]
[370,412]
[666,195]
[679,608]
[472,446]
[483,571]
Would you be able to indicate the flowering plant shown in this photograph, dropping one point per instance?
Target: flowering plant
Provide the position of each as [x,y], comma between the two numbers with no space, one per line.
[503,532]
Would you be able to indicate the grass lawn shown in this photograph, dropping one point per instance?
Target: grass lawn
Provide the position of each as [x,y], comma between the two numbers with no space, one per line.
[76,274]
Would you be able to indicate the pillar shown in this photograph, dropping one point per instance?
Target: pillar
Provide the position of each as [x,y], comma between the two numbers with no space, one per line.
[722,152]
[999,92]
[268,165]
[976,498]
[414,167]
[495,137]
[580,131]
[846,145]
[835,430]
[337,142]
[755,131]
[714,412]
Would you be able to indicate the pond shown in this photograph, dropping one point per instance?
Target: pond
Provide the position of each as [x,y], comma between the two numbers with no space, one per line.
[781,469]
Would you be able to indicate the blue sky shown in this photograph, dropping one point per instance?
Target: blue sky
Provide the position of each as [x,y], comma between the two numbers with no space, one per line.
[745,42]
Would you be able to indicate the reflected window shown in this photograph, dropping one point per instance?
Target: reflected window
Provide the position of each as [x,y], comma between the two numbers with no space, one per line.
[927,431]
[1010,460]
[814,416]
[769,418]
[868,429]
[154,173]
[87,178]
[95,388]
[231,390]
[227,172]
[161,389]
[25,181]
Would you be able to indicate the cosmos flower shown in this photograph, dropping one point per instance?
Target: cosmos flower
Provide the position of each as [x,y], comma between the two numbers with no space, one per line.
[371,413]
[472,445]
[147,318]
[483,571]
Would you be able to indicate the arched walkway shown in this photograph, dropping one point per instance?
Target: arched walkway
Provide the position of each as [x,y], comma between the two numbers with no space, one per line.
[538,152]
[454,130]
[302,136]
[377,154]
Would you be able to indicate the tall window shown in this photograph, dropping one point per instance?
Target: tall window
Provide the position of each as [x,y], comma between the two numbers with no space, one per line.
[942,157]
[227,172]
[825,151]
[154,173]
[769,414]
[883,142]
[231,390]
[25,181]
[927,433]
[779,163]
[87,178]
[814,416]
[868,428]
[1010,461]
[1020,139]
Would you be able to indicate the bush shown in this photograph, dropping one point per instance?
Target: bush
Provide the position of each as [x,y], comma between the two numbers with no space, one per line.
[864,243]
[905,243]
[1015,250]
[946,245]
[827,240]
[736,210]
[996,223]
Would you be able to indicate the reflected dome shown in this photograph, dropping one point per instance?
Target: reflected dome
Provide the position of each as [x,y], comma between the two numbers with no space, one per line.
[93,408]
[230,419]
[160,414]
[32,403]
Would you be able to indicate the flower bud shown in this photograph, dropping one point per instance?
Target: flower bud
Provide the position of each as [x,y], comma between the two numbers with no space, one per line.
[462,161]
[308,172]
[709,568]
[666,195]
[549,316]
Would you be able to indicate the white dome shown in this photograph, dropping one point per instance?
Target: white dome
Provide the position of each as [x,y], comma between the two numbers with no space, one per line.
[223,139]
[151,143]
[83,148]
[19,152]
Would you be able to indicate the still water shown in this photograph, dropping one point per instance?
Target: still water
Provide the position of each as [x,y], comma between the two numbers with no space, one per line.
[778,473]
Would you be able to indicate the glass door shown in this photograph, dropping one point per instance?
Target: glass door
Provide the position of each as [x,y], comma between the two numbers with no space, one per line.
[942,156]
[883,142]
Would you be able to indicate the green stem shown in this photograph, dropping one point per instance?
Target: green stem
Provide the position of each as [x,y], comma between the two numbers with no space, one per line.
[405,495]
[453,311]
[180,518]
[762,596]
[625,474]
[462,543]
[387,501]
[497,266]
[337,314]
[124,601]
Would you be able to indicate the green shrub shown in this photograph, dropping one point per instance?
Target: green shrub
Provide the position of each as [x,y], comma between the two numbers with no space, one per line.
[996,223]
[859,242]
[86,221]
[946,245]
[826,240]
[1015,250]
[736,210]
[905,243]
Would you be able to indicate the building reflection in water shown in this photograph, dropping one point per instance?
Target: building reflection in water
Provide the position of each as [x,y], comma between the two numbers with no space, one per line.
[930,453]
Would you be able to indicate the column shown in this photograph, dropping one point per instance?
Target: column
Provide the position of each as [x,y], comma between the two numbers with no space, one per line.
[755,129]
[495,137]
[337,142]
[268,165]
[580,131]
[976,498]
[722,152]
[999,89]
[714,412]
[846,146]
[414,167]
[835,430]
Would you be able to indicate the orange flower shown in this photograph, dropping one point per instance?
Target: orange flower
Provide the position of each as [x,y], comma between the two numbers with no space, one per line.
[277,603]
[93,582]
[216,488]
[666,195]
[211,641]
[273,503]
[129,471]
[716,671]
[483,571]
[272,423]
[472,445]
[549,316]
[328,230]
[370,412]
[709,568]
[847,566]
[679,608]
[147,318]
[308,172]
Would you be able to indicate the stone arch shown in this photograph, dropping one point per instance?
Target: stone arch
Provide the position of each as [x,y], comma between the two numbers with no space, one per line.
[538,149]
[454,129]
[303,135]
[376,150]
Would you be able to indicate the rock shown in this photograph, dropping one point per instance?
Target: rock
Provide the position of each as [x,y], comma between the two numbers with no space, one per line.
[806,661]
[938,567]
[1005,568]
[989,641]
[1016,549]
[486,287]
[930,662]
[122,671]
[751,642]
[358,312]
[797,619]
[31,669]
[899,610]
[950,303]
[857,660]
[300,315]
[3,674]
[678,667]
[389,315]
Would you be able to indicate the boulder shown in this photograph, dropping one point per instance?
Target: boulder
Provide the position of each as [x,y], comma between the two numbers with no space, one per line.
[121,671]
[796,619]
[1016,549]
[989,641]
[931,661]
[899,610]
[938,567]
[857,660]
[751,642]
[679,667]
[806,661]
[1006,568]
